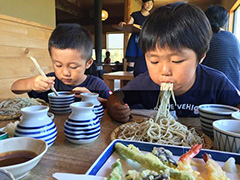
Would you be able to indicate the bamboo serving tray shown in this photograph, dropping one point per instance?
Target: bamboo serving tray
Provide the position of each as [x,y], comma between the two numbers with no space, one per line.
[17,115]
[208,144]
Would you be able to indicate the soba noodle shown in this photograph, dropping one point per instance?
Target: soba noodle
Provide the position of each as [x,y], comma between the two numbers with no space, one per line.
[162,128]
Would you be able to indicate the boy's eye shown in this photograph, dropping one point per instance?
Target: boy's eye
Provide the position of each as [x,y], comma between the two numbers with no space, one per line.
[73,67]
[177,62]
[58,65]
[154,62]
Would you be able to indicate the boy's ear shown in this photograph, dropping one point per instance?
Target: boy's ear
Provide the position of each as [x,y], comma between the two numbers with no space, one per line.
[204,55]
[89,63]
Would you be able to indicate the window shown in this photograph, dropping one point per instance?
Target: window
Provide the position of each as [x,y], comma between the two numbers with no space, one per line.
[114,44]
[103,54]
[236,28]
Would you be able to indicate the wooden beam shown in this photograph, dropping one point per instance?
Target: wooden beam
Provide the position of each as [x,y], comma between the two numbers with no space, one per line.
[127,12]
[71,8]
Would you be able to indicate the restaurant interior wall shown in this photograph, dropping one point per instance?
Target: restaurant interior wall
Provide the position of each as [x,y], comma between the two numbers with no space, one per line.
[25,27]
[42,11]
[136,5]
[228,4]
[20,39]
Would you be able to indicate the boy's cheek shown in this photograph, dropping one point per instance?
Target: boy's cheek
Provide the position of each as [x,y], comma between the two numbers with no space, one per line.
[155,78]
[57,73]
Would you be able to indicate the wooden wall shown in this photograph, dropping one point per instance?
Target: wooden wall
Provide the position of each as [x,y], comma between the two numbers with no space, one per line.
[20,39]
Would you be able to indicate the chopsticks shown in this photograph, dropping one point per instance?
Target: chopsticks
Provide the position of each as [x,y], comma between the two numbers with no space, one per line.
[42,73]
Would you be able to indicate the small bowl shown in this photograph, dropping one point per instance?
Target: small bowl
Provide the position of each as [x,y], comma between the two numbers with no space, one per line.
[209,113]
[227,135]
[23,144]
[61,104]
[236,115]
[3,135]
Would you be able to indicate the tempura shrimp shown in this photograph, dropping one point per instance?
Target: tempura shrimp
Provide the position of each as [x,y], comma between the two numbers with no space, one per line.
[184,162]
[214,170]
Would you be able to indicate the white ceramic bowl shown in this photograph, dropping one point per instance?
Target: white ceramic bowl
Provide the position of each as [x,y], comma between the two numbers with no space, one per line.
[61,104]
[236,115]
[227,135]
[209,113]
[23,143]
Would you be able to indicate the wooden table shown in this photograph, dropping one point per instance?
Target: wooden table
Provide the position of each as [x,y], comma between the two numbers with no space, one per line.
[122,75]
[63,156]
[108,67]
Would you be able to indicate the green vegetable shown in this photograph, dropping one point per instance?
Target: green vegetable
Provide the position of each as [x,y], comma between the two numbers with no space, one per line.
[150,161]
[117,172]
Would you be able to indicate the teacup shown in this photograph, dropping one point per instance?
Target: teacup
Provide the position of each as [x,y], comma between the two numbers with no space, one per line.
[61,104]
[227,135]
[209,113]
[236,115]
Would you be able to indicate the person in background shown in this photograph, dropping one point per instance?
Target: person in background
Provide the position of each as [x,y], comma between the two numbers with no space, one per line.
[174,40]
[107,59]
[224,51]
[70,48]
[133,51]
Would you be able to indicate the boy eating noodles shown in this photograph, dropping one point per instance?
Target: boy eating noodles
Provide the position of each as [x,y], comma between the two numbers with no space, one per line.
[70,48]
[175,39]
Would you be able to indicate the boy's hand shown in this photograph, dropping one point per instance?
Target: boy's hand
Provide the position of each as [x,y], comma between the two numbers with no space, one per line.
[119,112]
[78,90]
[41,83]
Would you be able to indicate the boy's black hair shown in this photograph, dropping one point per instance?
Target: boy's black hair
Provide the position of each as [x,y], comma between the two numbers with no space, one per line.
[71,36]
[217,16]
[147,1]
[176,26]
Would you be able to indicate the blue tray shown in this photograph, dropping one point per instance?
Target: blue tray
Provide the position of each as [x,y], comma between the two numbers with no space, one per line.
[103,159]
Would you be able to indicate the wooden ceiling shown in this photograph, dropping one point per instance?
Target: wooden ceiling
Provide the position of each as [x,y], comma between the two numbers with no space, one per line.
[82,11]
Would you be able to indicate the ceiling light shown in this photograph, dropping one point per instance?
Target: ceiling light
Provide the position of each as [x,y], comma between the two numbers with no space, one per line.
[104,15]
